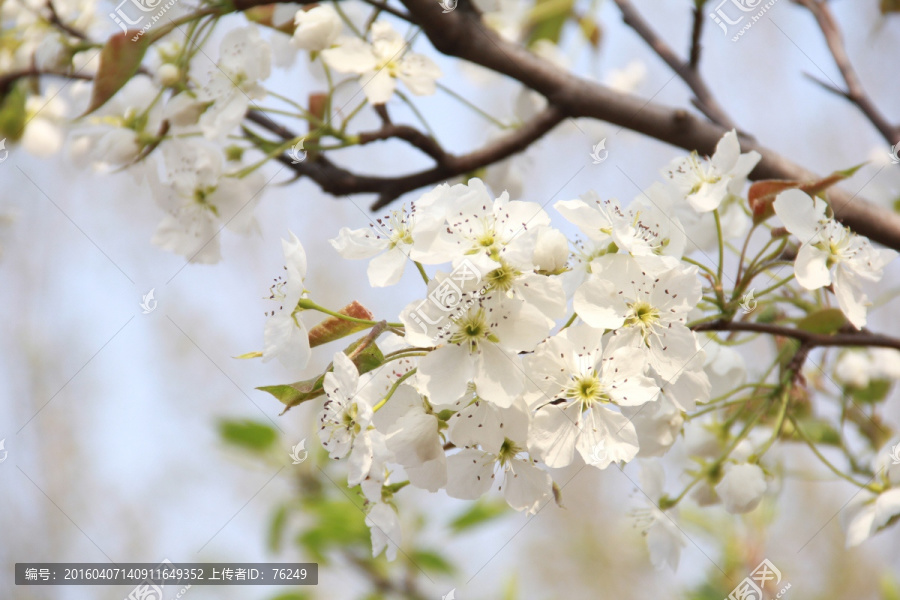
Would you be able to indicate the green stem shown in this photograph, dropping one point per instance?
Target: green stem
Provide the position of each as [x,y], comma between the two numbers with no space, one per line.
[779,423]
[812,446]
[422,271]
[458,97]
[721,266]
[570,321]
[307,304]
[393,389]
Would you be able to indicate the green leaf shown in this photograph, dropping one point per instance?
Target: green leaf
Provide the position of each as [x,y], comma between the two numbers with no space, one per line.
[13,115]
[120,60]
[477,514]
[337,524]
[876,391]
[292,394]
[825,321]
[547,19]
[368,359]
[276,528]
[292,596]
[430,560]
[248,434]
[820,432]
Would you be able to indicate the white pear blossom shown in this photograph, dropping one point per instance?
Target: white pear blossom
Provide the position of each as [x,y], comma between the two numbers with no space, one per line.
[317,28]
[200,200]
[482,423]
[706,183]
[573,387]
[502,228]
[383,61]
[245,59]
[646,302]
[345,417]
[830,253]
[664,538]
[477,341]
[858,367]
[384,525]
[642,232]
[657,425]
[742,487]
[868,512]
[392,242]
[471,472]
[286,337]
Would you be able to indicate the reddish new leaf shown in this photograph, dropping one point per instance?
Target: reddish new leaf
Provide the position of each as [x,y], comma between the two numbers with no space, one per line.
[120,59]
[334,328]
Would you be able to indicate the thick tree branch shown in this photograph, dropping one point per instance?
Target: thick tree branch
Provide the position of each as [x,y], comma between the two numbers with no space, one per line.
[687,71]
[863,338]
[855,91]
[462,35]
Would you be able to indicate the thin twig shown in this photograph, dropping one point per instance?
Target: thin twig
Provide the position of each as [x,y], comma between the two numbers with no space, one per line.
[807,338]
[704,99]
[855,91]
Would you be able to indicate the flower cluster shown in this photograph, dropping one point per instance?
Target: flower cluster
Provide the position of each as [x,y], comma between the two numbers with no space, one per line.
[529,352]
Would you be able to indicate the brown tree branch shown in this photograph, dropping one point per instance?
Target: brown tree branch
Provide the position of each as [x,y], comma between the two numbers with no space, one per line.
[413,136]
[863,338]
[687,71]
[696,35]
[462,35]
[337,181]
[855,92]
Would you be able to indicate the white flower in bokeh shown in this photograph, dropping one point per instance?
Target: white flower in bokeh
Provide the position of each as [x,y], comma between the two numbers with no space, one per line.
[664,538]
[742,487]
[382,62]
[317,28]
[245,59]
[384,525]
